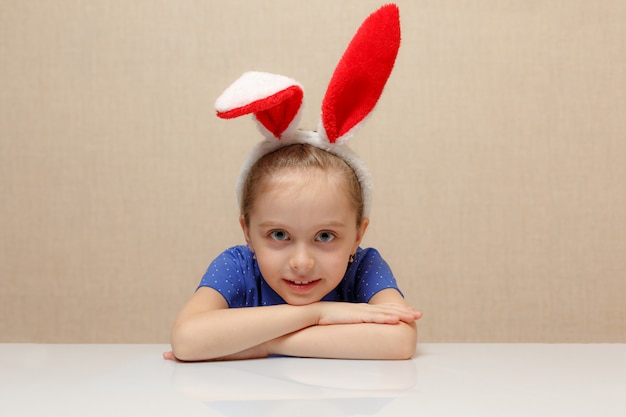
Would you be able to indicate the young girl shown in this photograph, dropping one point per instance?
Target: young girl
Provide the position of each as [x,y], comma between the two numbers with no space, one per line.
[302,286]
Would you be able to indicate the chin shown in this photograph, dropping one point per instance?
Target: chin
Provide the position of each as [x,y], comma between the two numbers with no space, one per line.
[301,301]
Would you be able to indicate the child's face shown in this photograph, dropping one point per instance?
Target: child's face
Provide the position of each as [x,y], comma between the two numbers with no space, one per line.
[303,230]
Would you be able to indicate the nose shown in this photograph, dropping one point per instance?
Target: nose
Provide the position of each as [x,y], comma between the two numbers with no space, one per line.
[301,259]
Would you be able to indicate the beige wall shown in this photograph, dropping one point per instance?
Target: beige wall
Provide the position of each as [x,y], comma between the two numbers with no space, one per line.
[498,151]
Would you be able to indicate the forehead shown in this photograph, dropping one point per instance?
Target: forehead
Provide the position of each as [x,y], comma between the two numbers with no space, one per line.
[311,191]
[297,181]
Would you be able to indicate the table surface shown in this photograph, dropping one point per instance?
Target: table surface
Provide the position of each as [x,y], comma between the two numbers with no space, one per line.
[442,380]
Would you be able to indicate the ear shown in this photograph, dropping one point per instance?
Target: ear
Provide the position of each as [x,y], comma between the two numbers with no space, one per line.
[361,75]
[360,232]
[246,231]
[274,100]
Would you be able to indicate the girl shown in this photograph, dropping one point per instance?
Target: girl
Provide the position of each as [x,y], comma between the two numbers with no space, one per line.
[302,286]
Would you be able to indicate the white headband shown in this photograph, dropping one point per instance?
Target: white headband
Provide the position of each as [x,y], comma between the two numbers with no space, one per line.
[356,85]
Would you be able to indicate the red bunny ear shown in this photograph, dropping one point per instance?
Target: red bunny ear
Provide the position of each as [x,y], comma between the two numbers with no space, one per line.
[274,100]
[362,72]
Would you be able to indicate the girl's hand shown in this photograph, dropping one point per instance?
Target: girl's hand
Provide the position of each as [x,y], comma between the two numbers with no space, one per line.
[351,313]
[169,355]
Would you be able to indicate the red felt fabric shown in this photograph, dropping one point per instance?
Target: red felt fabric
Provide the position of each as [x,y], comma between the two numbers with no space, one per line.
[275,112]
[360,76]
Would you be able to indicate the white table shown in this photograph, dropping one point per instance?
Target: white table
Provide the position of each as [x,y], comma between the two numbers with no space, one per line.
[443,380]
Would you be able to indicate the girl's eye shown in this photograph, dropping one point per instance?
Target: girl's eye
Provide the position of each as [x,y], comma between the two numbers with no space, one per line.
[279,235]
[325,237]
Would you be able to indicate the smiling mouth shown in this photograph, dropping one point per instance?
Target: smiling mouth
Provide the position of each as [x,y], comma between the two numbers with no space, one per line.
[302,285]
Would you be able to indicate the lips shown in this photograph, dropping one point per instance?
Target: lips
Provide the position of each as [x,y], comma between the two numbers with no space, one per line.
[302,285]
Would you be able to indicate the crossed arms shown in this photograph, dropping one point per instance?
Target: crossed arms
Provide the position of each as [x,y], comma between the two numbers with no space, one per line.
[206,329]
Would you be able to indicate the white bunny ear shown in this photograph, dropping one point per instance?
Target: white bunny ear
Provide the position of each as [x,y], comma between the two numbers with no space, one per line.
[274,100]
[361,75]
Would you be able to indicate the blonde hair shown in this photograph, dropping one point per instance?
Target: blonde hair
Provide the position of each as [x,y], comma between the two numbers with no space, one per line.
[300,156]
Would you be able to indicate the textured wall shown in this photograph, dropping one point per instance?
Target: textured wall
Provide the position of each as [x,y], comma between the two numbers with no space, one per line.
[498,151]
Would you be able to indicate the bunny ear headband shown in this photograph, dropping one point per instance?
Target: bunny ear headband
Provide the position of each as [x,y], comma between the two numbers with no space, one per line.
[355,87]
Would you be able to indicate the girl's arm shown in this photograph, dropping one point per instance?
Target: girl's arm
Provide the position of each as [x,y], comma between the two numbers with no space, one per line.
[207,329]
[354,341]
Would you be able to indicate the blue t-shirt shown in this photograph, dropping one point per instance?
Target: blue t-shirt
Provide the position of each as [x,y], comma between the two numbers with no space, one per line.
[235,274]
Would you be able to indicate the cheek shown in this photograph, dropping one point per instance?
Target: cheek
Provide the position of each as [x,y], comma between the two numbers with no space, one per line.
[269,262]
[336,264]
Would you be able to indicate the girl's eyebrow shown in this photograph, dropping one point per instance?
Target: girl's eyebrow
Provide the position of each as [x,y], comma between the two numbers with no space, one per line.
[332,224]
[270,224]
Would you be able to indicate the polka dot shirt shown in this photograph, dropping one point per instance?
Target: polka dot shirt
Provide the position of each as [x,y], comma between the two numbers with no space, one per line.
[235,274]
